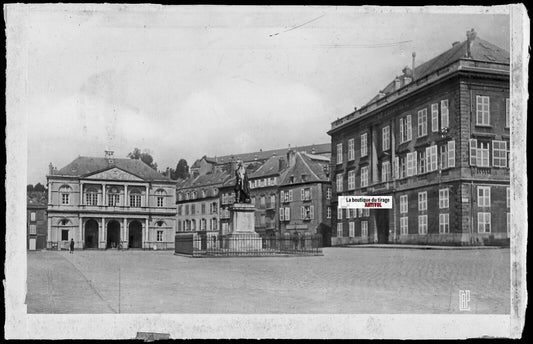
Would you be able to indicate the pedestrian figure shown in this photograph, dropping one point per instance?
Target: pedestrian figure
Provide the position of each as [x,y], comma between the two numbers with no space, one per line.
[71,250]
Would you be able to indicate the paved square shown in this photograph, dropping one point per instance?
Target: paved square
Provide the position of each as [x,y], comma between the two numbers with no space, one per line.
[344,280]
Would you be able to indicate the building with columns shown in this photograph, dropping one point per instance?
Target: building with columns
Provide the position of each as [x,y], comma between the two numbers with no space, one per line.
[105,202]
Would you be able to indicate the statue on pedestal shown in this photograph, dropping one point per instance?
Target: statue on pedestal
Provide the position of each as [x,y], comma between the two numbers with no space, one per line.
[242,189]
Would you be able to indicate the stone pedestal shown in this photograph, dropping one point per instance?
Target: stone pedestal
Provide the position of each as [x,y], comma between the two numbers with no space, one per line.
[242,235]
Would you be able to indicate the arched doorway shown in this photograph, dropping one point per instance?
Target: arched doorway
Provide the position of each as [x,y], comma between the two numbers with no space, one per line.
[91,234]
[135,235]
[113,234]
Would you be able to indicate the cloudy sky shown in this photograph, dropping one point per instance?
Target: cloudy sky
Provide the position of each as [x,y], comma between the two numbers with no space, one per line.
[185,82]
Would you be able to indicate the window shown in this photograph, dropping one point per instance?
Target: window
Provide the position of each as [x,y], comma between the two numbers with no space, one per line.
[351,149]
[262,202]
[385,171]
[447,155]
[422,224]
[483,196]
[193,209]
[405,129]
[396,167]
[204,194]
[160,195]
[339,153]
[262,219]
[328,213]
[113,197]
[32,214]
[482,110]
[483,222]
[499,153]
[422,159]
[307,212]
[431,153]
[339,182]
[404,225]
[444,114]
[282,214]
[135,198]
[91,197]
[444,198]
[351,229]
[364,229]
[351,179]
[364,176]
[306,194]
[364,150]
[434,117]
[328,193]
[290,195]
[508,197]
[272,201]
[339,213]
[481,154]
[159,235]
[385,138]
[366,212]
[64,234]
[339,230]
[402,167]
[287,214]
[444,223]
[422,201]
[507,113]
[411,164]
[33,229]
[180,210]
[422,122]
[403,204]
[64,191]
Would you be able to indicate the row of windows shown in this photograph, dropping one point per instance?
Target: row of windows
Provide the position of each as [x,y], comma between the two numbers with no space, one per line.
[203,225]
[439,112]
[307,212]
[190,209]
[113,196]
[194,194]
[351,229]
[410,164]
[480,153]
[259,183]
[353,213]
[305,195]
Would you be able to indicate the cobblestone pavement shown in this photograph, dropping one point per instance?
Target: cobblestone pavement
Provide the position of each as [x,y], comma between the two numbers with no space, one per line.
[344,280]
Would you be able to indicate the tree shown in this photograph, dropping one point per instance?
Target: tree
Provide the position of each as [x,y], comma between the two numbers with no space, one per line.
[39,188]
[144,156]
[29,188]
[182,170]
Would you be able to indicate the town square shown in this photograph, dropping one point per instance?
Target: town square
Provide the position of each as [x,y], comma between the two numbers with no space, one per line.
[265,160]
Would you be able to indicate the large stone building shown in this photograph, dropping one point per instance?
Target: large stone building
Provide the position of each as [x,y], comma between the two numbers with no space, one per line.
[436,139]
[36,221]
[105,202]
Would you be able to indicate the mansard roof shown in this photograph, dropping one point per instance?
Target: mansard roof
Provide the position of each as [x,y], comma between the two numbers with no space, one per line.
[83,166]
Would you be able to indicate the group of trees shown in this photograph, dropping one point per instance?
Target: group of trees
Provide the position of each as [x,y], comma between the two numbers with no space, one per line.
[180,172]
[37,188]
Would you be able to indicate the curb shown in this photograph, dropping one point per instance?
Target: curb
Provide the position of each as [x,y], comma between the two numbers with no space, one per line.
[426,247]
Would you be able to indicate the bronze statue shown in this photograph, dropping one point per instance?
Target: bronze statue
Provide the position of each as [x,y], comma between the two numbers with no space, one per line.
[242,189]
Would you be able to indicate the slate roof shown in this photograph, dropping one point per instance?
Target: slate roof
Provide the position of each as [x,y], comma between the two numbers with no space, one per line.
[480,50]
[304,165]
[263,155]
[83,166]
[217,178]
[270,167]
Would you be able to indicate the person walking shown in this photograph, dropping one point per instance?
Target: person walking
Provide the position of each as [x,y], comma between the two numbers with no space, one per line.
[71,250]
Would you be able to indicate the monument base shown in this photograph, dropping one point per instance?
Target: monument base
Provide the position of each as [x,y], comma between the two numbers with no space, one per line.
[242,236]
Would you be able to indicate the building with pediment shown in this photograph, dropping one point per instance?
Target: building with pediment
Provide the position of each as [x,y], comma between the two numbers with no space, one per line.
[105,202]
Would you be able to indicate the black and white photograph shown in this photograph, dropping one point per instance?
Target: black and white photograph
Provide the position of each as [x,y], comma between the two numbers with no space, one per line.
[209,171]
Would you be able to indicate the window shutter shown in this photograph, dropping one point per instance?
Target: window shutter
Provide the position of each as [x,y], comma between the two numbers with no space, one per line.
[282,194]
[312,212]
[396,167]
[302,212]
[473,151]
[451,153]
[290,195]
[402,136]
[434,117]
[302,194]
[409,128]
[281,214]
[415,166]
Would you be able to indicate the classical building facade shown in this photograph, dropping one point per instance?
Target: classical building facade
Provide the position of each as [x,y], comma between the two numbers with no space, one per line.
[108,203]
[36,221]
[437,139]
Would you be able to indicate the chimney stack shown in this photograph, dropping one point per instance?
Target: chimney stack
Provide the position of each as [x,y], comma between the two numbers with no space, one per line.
[291,157]
[109,157]
[470,37]
[50,169]
[413,69]
[397,83]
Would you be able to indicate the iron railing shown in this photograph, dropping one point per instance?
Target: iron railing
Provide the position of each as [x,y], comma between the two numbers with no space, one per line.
[203,245]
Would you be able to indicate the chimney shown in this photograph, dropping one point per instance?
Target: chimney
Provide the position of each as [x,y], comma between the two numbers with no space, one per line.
[109,157]
[455,43]
[470,37]
[313,151]
[50,169]
[397,83]
[281,164]
[413,67]
[291,157]
[167,173]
